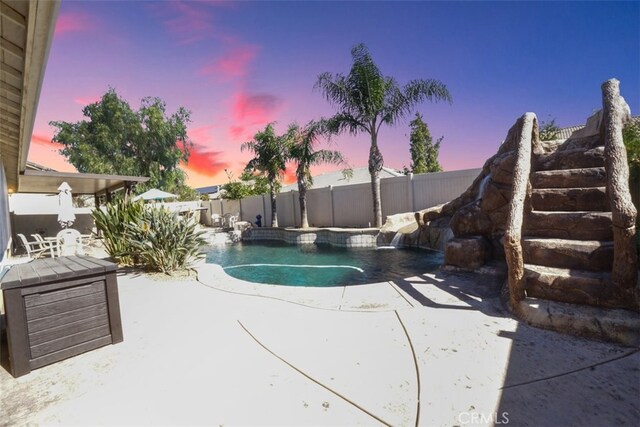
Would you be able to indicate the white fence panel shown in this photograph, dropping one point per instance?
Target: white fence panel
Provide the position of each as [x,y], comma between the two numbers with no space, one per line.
[353,206]
[286,209]
[431,189]
[394,193]
[252,206]
[320,207]
[231,207]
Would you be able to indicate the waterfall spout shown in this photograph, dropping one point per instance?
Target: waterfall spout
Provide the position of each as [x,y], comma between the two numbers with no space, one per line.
[483,186]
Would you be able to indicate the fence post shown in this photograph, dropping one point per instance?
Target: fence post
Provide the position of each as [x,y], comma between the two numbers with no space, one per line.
[293,208]
[411,200]
[333,220]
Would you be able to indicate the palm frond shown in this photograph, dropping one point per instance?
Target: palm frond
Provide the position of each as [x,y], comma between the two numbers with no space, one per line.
[401,102]
[344,122]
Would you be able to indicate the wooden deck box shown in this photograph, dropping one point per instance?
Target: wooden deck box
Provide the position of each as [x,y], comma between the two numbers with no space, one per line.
[58,308]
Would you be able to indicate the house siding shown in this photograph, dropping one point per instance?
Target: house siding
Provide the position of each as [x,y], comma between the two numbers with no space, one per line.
[5,224]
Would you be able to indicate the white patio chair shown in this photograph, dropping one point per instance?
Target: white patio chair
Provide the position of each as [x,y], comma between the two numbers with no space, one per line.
[229,220]
[216,220]
[34,249]
[52,245]
[70,242]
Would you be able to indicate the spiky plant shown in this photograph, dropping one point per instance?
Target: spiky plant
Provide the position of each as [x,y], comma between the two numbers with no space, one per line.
[111,221]
[163,241]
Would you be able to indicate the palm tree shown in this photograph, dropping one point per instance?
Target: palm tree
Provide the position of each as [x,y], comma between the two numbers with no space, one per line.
[303,153]
[271,154]
[366,100]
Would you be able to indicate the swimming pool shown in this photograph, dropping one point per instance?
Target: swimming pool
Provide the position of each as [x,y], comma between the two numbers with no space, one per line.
[281,263]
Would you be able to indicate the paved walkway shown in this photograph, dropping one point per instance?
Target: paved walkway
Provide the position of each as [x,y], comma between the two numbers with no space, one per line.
[436,349]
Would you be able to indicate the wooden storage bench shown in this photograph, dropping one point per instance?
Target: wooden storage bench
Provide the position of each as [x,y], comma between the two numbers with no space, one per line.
[58,308]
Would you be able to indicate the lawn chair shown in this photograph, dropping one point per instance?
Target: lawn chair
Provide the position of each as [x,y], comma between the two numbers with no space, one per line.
[229,220]
[70,242]
[216,220]
[51,244]
[34,249]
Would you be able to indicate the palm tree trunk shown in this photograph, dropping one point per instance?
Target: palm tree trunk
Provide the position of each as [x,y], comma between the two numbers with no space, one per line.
[302,188]
[375,166]
[274,213]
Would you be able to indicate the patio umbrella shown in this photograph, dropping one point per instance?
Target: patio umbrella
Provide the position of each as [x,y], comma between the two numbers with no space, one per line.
[66,217]
[154,194]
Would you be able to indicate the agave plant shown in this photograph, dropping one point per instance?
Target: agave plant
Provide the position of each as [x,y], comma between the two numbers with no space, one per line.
[163,241]
[111,221]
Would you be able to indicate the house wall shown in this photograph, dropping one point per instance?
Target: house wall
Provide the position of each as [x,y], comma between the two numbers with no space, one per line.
[5,221]
[351,205]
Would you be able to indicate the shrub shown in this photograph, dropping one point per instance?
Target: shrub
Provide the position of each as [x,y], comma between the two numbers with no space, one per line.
[111,221]
[163,241]
[548,130]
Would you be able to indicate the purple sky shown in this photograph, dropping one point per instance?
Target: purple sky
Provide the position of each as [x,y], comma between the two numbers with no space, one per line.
[239,66]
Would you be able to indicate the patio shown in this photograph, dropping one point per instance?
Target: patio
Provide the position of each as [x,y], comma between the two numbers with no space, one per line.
[200,353]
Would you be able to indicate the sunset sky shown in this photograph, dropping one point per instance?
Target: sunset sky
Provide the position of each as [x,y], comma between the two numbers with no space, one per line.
[238,66]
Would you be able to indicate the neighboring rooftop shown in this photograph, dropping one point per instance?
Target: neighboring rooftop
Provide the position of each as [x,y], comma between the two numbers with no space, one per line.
[212,190]
[338,178]
[564,133]
[37,167]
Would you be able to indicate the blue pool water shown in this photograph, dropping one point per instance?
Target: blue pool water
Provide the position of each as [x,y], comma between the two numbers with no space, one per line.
[320,265]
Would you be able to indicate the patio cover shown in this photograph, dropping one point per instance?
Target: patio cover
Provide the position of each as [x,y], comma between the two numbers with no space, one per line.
[33,181]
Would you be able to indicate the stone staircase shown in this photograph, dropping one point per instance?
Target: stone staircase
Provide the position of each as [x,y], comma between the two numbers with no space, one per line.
[567,236]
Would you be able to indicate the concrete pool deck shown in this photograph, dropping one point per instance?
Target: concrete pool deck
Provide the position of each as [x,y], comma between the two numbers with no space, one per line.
[436,348]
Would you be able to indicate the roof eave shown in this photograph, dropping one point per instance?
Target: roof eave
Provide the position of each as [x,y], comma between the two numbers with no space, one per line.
[40,29]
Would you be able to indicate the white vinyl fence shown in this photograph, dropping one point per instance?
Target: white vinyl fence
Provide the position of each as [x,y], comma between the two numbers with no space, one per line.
[350,205]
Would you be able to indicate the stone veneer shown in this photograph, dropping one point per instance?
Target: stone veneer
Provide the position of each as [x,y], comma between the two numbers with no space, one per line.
[343,237]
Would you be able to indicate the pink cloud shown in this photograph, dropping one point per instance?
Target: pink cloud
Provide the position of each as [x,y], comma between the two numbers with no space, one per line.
[71,22]
[232,65]
[43,141]
[200,135]
[237,132]
[250,111]
[206,162]
[189,22]
[290,175]
[87,101]
[255,109]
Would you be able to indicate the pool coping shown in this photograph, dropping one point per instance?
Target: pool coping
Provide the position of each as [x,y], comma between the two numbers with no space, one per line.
[341,237]
[371,297]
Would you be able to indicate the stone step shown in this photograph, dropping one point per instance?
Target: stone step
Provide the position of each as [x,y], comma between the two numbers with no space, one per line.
[593,255]
[577,225]
[570,178]
[570,199]
[570,159]
[569,285]
[605,324]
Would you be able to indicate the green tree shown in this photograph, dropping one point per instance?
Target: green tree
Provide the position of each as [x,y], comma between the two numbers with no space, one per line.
[631,138]
[548,130]
[115,139]
[366,100]
[303,153]
[249,184]
[271,152]
[424,152]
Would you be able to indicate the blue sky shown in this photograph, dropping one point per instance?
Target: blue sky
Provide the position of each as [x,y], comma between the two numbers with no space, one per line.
[239,66]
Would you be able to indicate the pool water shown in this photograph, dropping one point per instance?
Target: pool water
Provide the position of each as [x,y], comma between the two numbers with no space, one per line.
[281,263]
